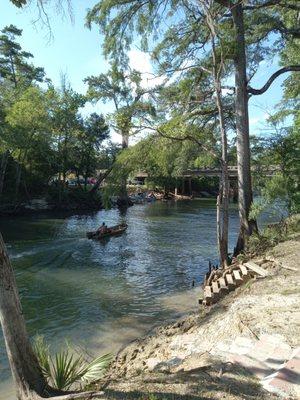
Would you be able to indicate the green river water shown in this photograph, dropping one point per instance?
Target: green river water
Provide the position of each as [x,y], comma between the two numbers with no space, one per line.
[98,295]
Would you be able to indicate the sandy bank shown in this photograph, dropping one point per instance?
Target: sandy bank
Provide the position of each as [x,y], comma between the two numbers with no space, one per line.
[199,357]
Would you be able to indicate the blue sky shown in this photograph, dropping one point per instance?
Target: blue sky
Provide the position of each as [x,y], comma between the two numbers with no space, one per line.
[76,51]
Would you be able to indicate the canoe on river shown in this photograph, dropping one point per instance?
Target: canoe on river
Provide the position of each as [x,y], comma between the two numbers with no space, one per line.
[112,231]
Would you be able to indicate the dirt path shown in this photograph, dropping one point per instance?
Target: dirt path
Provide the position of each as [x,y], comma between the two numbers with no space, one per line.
[225,352]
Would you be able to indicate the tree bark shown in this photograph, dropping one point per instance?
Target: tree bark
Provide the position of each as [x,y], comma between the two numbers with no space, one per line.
[123,199]
[18,179]
[125,140]
[242,131]
[101,178]
[222,202]
[29,381]
[223,197]
[27,375]
[4,161]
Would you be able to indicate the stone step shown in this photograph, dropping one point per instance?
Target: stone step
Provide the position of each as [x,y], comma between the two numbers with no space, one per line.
[223,287]
[208,295]
[237,277]
[230,282]
[244,271]
[215,289]
[256,269]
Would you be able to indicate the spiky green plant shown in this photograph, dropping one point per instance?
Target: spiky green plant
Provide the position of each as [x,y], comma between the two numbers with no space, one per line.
[42,352]
[64,368]
[96,368]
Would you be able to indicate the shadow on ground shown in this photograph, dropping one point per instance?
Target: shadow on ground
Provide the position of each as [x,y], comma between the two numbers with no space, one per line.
[218,381]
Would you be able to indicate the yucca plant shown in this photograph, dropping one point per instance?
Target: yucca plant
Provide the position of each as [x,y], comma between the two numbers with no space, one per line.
[64,368]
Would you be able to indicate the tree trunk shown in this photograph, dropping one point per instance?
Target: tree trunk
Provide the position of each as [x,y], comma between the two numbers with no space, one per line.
[4,161]
[18,179]
[125,140]
[27,375]
[242,131]
[101,178]
[222,200]
[222,246]
[123,199]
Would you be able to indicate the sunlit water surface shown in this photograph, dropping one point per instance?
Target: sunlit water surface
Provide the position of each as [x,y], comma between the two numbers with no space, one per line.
[100,295]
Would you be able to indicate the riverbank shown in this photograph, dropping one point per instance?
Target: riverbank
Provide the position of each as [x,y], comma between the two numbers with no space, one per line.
[101,296]
[225,351]
[72,204]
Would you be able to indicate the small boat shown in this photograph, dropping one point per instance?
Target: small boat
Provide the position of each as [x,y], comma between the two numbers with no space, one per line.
[112,231]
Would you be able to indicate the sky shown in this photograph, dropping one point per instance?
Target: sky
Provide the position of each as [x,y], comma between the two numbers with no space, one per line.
[76,51]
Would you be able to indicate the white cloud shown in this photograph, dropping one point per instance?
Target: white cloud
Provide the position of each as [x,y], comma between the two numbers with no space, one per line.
[141,62]
[254,121]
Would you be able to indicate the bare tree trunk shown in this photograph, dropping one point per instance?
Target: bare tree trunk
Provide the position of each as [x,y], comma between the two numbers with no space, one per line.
[125,140]
[224,184]
[123,199]
[26,372]
[223,197]
[242,127]
[4,161]
[27,375]
[101,178]
[18,179]
[222,244]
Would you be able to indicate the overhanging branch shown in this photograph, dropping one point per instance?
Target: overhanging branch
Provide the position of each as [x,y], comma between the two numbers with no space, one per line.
[271,3]
[272,79]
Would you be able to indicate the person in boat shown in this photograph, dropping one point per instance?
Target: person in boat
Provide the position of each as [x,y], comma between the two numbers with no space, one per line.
[102,229]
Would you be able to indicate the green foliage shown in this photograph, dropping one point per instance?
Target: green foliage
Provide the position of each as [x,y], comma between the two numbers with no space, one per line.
[123,89]
[19,3]
[280,150]
[14,65]
[182,52]
[42,128]
[273,234]
[73,198]
[66,368]
[29,112]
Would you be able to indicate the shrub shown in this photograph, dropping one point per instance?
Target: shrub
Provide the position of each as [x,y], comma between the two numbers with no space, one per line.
[65,368]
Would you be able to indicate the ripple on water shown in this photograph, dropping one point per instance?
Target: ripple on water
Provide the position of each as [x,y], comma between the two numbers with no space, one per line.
[101,295]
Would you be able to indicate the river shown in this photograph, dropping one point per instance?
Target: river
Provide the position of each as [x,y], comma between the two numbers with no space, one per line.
[100,295]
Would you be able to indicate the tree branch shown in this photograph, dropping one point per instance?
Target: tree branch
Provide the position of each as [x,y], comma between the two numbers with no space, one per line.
[271,3]
[272,79]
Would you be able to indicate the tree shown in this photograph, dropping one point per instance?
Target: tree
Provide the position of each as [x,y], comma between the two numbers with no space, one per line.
[88,143]
[65,124]
[14,65]
[27,120]
[16,75]
[27,375]
[127,95]
[183,43]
